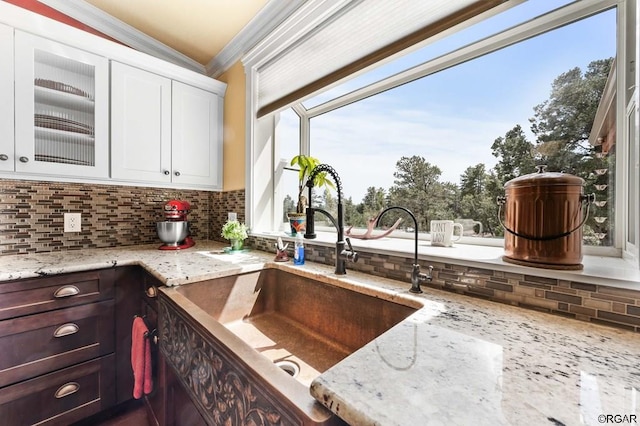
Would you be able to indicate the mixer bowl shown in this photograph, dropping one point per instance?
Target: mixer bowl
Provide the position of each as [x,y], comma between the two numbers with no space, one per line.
[172,233]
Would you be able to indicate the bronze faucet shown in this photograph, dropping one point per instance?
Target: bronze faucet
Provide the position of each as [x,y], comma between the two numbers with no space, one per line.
[342,254]
[416,276]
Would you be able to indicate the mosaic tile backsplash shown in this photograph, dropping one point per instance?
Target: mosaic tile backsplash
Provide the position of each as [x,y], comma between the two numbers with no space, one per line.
[32,214]
[588,302]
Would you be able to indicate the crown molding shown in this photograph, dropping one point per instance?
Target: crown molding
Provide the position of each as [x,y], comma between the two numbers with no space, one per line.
[266,20]
[126,34]
[301,22]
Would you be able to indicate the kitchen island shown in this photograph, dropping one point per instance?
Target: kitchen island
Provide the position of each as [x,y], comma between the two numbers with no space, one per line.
[457,360]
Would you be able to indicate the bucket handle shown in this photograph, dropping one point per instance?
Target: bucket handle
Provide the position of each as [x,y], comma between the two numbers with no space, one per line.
[501,200]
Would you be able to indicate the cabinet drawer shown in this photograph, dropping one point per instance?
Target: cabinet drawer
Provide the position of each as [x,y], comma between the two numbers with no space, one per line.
[36,344]
[33,295]
[62,397]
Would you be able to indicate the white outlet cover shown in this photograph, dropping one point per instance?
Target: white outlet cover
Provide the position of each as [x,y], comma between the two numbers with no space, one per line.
[232,216]
[72,222]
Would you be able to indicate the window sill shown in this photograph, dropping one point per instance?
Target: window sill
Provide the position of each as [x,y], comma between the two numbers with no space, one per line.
[600,270]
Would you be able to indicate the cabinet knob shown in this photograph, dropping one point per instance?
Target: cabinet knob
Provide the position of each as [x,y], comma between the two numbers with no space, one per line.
[66,291]
[4,157]
[176,173]
[66,330]
[24,159]
[166,172]
[67,389]
[151,292]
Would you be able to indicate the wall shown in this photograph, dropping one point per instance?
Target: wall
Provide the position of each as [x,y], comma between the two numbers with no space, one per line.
[234,128]
[31,214]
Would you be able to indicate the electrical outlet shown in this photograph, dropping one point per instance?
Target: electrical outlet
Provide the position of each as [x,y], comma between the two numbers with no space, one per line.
[72,222]
[232,216]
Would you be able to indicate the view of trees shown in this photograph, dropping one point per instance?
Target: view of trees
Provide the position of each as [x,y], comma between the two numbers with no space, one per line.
[561,126]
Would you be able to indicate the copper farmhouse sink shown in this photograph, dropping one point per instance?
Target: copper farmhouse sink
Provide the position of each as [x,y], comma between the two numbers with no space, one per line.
[302,324]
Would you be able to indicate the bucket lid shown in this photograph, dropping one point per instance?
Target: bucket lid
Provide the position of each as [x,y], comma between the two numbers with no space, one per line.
[542,178]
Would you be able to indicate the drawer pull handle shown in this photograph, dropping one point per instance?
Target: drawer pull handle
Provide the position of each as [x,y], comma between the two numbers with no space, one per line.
[66,291]
[151,292]
[66,329]
[67,389]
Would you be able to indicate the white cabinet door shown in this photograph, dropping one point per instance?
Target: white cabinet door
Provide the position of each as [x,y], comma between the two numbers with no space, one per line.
[6,99]
[61,109]
[140,125]
[196,144]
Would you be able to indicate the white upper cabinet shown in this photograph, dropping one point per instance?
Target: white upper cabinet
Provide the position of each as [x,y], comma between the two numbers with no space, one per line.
[164,131]
[196,144]
[6,99]
[61,109]
[77,107]
[140,125]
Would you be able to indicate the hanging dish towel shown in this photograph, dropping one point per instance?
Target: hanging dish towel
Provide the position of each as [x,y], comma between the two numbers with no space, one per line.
[141,359]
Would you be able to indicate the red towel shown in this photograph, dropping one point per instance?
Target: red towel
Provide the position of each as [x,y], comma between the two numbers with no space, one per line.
[141,359]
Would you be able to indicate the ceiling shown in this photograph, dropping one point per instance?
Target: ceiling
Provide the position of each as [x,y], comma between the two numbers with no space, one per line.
[198,29]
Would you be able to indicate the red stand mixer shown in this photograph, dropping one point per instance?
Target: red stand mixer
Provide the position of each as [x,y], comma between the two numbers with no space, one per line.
[174,231]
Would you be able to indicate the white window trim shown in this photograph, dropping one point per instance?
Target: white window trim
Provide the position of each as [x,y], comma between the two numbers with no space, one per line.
[542,24]
[630,251]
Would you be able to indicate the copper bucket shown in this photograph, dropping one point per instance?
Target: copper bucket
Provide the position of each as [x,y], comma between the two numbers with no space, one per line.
[543,218]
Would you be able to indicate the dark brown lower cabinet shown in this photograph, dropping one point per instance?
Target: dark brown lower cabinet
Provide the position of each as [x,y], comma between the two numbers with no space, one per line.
[65,353]
[128,293]
[180,410]
[61,397]
[155,402]
[57,348]
[37,344]
[66,345]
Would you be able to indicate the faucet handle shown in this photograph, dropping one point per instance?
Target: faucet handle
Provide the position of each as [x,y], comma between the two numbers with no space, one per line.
[418,277]
[350,254]
[348,241]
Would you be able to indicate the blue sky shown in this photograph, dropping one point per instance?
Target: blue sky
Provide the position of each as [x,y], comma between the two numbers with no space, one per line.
[451,118]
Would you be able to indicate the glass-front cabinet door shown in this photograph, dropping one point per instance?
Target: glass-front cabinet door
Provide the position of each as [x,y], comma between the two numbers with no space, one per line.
[62,99]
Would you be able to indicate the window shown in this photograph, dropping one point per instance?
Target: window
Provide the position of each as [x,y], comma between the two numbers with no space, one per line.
[443,136]
[632,179]
[445,144]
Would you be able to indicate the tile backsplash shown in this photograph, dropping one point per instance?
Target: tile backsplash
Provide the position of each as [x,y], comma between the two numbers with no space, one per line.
[583,301]
[32,212]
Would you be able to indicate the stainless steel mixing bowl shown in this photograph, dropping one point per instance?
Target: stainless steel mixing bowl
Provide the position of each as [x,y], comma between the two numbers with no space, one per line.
[172,233]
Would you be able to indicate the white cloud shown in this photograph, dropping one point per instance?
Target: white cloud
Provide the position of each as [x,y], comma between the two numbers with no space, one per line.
[363,142]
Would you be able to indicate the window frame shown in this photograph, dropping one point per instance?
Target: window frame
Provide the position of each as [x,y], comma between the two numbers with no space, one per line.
[542,24]
[630,249]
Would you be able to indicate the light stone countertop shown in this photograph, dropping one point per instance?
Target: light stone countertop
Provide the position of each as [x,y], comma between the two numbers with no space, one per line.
[456,361]
[203,261]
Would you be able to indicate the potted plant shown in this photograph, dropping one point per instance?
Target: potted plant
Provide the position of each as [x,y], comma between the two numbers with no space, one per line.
[306,164]
[235,232]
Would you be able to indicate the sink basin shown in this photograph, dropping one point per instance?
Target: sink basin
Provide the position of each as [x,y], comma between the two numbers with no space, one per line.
[302,324]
